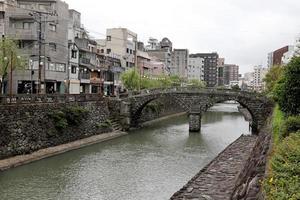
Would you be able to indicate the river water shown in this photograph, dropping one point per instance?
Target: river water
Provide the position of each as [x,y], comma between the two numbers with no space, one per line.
[148,164]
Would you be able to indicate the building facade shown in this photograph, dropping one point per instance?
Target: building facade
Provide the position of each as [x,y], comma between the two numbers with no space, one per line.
[180,62]
[196,69]
[280,56]
[41,35]
[210,67]
[258,76]
[161,51]
[231,73]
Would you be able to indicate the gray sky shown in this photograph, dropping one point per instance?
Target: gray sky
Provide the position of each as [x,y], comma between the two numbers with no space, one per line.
[242,31]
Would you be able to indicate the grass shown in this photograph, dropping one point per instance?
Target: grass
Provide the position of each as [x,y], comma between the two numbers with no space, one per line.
[277,124]
[283,180]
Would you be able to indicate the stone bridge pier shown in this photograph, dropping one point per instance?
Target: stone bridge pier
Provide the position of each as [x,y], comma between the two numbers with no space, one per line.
[195,121]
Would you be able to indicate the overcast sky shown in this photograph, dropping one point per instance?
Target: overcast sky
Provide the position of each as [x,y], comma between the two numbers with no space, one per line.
[242,31]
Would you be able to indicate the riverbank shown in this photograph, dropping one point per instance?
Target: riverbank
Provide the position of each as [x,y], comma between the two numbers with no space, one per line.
[56,150]
[217,180]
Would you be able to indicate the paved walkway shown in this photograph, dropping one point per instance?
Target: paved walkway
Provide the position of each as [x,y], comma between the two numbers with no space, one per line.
[217,180]
[52,151]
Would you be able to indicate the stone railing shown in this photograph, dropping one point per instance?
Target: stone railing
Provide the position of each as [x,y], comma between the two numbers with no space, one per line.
[193,90]
[48,98]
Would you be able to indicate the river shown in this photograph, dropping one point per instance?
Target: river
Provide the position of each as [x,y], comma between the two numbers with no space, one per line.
[151,163]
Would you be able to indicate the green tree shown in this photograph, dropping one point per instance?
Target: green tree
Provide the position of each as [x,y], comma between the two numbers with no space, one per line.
[235,87]
[131,79]
[287,89]
[9,57]
[196,83]
[272,77]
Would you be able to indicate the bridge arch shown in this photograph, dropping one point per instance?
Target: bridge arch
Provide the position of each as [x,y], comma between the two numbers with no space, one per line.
[195,102]
[136,112]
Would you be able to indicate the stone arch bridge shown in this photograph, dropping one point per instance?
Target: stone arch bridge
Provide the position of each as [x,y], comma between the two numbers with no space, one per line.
[196,101]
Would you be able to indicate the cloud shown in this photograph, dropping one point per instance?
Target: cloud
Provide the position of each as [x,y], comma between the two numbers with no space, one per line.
[242,31]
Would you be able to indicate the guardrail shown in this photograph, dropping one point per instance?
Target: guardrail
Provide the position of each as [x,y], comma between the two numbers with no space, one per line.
[48,98]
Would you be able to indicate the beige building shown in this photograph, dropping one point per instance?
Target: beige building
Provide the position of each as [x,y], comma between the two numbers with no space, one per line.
[180,61]
[120,42]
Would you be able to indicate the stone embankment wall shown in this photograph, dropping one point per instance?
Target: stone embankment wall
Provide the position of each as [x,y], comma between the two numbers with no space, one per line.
[28,128]
[159,108]
[248,184]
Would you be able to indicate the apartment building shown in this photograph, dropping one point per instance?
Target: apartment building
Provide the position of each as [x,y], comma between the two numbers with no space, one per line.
[180,62]
[22,20]
[210,67]
[196,69]
[162,51]
[120,42]
[231,73]
[258,76]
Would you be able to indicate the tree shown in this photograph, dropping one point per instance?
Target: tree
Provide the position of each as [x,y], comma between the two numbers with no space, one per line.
[8,58]
[131,79]
[235,87]
[196,83]
[287,89]
[272,77]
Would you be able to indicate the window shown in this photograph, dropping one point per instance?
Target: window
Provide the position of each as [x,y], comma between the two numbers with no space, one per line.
[60,67]
[45,7]
[73,69]
[127,50]
[27,25]
[52,27]
[74,54]
[51,67]
[108,38]
[102,51]
[52,46]
[130,51]
[108,51]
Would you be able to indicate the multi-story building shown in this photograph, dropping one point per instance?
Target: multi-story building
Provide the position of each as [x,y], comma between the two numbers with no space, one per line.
[297,46]
[196,69]
[231,73]
[180,61]
[45,50]
[287,56]
[210,67]
[258,76]
[121,42]
[162,51]
[221,62]
[279,56]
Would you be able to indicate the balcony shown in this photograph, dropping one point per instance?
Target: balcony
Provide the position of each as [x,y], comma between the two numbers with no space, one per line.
[22,34]
[85,61]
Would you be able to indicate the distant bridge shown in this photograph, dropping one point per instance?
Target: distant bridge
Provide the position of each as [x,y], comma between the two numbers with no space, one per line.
[195,102]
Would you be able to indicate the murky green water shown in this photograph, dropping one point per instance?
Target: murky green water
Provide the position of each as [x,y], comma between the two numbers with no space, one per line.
[149,164]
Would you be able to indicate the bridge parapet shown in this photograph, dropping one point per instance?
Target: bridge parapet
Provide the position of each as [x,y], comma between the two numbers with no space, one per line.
[47,98]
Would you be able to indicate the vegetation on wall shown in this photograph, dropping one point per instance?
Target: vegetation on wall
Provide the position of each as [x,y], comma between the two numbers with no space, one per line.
[69,116]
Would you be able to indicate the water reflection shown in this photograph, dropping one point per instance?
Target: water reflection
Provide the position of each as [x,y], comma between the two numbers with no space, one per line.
[151,163]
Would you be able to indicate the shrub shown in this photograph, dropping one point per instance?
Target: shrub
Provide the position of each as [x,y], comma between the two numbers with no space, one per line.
[59,118]
[284,179]
[291,125]
[74,115]
[287,89]
[277,123]
[67,116]
[106,124]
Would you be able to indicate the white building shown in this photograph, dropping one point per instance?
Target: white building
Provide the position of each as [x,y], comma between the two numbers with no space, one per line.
[196,69]
[297,46]
[258,76]
[286,58]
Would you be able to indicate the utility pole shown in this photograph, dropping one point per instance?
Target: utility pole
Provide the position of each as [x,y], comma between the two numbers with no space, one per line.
[40,52]
[38,18]
[11,74]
